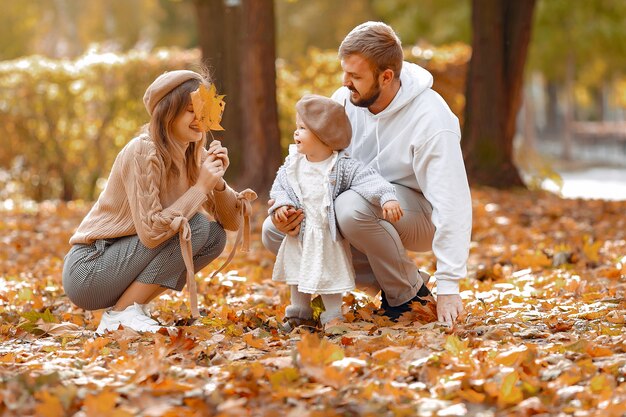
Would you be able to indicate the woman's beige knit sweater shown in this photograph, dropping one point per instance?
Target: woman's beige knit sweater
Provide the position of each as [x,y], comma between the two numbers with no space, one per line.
[136,201]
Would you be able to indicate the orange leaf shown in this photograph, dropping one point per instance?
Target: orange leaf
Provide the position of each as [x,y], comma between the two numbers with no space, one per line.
[471,396]
[318,352]
[597,351]
[387,354]
[208,107]
[252,341]
[49,405]
[103,405]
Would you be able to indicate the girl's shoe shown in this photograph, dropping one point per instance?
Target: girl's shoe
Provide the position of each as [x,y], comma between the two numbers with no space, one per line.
[327,316]
[132,317]
[299,312]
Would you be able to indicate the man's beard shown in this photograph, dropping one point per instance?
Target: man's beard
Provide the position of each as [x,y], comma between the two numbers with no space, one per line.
[369,99]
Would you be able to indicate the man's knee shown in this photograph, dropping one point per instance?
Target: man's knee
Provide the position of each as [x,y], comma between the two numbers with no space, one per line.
[271,236]
[351,211]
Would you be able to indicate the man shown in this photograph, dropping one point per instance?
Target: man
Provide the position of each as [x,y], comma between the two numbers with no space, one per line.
[404,130]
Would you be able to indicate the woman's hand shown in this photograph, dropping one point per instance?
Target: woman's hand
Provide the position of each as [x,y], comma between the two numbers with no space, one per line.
[218,151]
[211,173]
[392,211]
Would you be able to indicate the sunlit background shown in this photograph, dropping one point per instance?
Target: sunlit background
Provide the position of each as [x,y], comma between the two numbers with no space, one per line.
[72,74]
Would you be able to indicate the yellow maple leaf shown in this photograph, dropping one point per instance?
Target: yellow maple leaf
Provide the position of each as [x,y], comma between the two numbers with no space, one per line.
[509,393]
[208,107]
[591,249]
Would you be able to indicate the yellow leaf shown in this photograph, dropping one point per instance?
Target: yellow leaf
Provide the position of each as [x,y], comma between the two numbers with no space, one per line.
[591,249]
[455,346]
[208,107]
[284,377]
[512,358]
[509,392]
[599,383]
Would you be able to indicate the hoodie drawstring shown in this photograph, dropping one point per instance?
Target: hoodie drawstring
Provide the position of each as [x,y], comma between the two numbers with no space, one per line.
[378,150]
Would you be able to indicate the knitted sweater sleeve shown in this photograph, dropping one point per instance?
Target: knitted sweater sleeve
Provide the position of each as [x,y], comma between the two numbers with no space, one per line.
[280,190]
[154,224]
[223,205]
[370,185]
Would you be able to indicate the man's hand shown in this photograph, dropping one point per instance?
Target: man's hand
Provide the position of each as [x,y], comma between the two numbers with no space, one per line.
[449,307]
[288,220]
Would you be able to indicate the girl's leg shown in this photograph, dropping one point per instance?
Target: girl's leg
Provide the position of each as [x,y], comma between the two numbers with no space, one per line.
[300,306]
[332,305]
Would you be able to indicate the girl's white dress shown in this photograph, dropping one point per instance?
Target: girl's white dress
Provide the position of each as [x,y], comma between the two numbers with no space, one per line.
[317,264]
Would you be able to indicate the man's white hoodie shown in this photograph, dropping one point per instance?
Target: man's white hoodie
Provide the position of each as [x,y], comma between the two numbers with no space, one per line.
[415,142]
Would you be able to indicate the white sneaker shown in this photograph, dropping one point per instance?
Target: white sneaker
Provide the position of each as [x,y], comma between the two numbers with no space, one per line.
[132,317]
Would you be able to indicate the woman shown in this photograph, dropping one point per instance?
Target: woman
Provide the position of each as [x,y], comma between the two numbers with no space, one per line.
[148,232]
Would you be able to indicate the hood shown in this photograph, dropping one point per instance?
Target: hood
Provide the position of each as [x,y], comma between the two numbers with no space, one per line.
[415,80]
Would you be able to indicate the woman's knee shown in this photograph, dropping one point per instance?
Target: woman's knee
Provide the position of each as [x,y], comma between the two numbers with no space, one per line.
[216,240]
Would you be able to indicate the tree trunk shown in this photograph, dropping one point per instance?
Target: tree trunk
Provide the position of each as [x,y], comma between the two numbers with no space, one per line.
[220,39]
[501,33]
[238,41]
[553,116]
[569,116]
[261,141]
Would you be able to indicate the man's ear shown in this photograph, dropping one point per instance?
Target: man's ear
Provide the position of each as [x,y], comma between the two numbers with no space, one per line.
[386,77]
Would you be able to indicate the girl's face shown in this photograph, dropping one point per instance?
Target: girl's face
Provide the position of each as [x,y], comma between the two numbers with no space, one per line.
[309,144]
[185,127]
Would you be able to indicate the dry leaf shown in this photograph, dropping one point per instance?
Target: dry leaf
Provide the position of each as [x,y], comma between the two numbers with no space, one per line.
[208,107]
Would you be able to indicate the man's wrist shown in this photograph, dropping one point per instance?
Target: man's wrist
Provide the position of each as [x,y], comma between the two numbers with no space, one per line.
[447,287]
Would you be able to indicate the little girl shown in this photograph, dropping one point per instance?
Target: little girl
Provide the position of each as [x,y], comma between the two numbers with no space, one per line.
[314,173]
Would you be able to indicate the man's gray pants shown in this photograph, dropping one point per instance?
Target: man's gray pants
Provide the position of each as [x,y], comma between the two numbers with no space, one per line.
[378,246]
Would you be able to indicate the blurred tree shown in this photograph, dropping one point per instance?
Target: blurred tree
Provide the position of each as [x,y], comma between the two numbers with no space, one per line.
[501,32]
[66,28]
[577,48]
[62,121]
[238,41]
[321,24]
[434,21]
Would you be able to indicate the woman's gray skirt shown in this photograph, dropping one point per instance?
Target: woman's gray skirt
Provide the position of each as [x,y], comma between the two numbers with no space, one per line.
[95,276]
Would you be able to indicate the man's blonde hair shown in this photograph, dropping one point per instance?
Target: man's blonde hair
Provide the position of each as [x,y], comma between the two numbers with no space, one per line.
[376,42]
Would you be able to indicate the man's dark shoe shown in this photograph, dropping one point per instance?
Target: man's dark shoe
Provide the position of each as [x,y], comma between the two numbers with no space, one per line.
[423,296]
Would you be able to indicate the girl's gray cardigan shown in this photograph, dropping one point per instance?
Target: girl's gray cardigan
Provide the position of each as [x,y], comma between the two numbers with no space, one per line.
[346,174]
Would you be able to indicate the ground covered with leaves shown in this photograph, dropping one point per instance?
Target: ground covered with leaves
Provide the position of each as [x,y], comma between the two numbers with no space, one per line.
[543,335]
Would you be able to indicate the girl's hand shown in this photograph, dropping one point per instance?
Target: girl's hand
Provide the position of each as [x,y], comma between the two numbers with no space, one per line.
[211,173]
[281,213]
[219,152]
[392,211]
[289,220]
